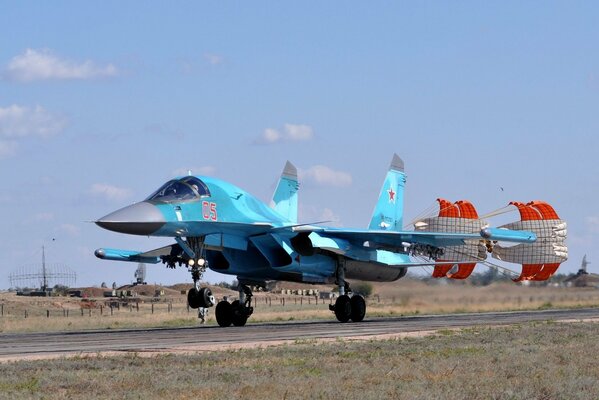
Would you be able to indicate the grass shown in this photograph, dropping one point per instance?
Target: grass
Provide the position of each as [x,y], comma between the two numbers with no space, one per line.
[405,297]
[530,361]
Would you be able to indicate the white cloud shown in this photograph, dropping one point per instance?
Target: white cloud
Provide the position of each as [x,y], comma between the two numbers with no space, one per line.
[271,135]
[18,122]
[298,132]
[291,133]
[206,170]
[323,175]
[213,59]
[109,192]
[34,65]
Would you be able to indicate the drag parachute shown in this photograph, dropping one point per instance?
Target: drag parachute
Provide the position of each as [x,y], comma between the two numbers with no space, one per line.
[540,259]
[459,217]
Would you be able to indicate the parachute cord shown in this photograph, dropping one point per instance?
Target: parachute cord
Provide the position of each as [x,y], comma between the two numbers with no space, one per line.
[430,211]
[427,212]
[505,271]
[499,211]
[426,268]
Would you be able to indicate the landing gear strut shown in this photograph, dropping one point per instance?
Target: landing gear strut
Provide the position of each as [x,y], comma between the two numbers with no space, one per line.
[346,307]
[238,312]
[197,297]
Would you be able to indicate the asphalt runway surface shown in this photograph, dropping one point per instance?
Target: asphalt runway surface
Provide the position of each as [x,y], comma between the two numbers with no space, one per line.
[210,338]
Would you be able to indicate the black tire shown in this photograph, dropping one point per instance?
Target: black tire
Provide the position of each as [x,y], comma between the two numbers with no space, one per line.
[358,308]
[343,308]
[193,298]
[239,316]
[206,297]
[224,313]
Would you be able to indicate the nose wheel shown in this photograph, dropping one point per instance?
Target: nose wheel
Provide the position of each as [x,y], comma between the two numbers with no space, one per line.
[200,298]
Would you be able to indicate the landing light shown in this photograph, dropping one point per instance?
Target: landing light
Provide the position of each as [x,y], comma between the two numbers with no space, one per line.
[191,262]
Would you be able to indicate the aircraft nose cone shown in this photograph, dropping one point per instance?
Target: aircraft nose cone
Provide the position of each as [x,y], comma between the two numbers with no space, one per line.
[137,219]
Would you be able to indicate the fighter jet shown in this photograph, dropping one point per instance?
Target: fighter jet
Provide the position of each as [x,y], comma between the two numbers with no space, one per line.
[220,226]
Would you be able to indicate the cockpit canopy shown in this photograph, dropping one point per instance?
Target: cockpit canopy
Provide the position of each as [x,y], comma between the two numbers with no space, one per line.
[184,189]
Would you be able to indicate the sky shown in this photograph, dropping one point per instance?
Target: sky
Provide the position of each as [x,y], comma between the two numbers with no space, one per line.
[102,102]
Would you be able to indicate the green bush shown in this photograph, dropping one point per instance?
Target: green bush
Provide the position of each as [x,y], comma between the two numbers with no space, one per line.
[363,288]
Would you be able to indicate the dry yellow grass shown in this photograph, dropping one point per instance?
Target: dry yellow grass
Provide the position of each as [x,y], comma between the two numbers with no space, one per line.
[404,297]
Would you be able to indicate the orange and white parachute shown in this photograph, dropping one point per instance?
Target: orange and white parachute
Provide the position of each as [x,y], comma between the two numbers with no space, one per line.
[462,217]
[540,259]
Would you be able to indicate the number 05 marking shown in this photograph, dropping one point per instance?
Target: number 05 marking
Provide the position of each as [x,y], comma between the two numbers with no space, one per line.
[209,211]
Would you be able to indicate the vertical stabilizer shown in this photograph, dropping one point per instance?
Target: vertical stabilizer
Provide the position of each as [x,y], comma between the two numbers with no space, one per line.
[388,213]
[284,200]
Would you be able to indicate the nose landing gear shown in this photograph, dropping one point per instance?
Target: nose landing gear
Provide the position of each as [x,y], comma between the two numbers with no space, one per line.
[192,255]
[200,298]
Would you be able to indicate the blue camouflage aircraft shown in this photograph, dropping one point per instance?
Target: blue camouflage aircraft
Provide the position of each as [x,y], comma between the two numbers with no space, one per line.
[219,226]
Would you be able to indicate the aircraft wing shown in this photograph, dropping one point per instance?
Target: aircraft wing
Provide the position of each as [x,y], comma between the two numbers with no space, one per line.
[214,242]
[150,257]
[397,239]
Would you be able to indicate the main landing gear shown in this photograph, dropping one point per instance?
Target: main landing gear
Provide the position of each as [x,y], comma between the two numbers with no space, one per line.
[346,307]
[238,312]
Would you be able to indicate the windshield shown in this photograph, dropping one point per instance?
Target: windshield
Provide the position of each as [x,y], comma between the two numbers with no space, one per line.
[184,189]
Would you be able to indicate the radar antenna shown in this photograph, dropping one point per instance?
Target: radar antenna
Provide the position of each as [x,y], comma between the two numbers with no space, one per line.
[140,274]
[31,276]
[583,265]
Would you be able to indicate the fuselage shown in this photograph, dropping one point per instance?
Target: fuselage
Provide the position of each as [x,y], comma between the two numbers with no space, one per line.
[239,230]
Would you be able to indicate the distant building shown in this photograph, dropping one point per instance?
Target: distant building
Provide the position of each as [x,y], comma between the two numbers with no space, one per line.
[327,295]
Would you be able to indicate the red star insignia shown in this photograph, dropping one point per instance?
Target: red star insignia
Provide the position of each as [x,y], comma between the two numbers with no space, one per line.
[391,195]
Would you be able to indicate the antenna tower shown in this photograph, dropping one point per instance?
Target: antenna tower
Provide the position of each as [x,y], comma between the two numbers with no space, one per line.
[30,276]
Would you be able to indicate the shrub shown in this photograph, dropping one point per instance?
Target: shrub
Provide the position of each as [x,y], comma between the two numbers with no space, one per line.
[363,288]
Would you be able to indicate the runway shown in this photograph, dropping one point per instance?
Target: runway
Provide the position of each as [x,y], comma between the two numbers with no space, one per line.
[210,338]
